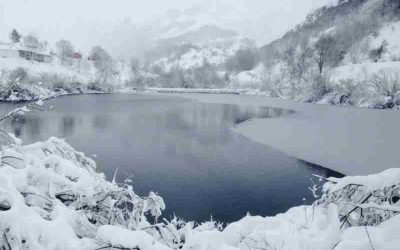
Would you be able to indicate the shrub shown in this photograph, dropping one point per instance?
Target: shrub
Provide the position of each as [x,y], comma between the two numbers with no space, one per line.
[320,86]
[18,74]
[94,86]
[386,83]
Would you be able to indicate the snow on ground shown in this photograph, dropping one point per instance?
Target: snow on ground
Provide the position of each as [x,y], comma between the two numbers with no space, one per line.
[363,71]
[36,68]
[352,141]
[390,34]
[55,189]
[47,80]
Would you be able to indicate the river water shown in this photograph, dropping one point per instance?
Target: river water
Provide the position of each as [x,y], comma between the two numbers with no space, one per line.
[182,149]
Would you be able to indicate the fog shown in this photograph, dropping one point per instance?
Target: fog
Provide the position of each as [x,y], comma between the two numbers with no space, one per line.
[123,26]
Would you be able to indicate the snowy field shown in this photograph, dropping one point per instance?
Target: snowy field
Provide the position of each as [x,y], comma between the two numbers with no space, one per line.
[349,140]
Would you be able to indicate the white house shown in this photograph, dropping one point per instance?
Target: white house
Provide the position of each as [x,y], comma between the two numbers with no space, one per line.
[10,50]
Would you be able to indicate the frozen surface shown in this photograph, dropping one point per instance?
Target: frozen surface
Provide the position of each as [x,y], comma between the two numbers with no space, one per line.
[349,140]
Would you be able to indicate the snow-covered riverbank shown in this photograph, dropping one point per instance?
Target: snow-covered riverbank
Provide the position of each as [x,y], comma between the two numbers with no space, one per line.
[352,141]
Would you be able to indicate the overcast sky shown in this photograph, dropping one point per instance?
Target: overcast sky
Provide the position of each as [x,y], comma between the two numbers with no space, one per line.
[81,20]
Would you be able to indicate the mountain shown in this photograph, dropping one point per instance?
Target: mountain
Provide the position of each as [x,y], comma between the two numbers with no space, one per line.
[335,16]
[204,22]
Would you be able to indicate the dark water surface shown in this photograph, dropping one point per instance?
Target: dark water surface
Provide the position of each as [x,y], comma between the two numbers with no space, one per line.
[181,149]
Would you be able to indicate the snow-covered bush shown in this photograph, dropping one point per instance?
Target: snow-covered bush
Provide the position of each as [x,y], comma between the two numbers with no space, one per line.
[349,91]
[56,187]
[319,87]
[386,83]
[364,201]
[18,74]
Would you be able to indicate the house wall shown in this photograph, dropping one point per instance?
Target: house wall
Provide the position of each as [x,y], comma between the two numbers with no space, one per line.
[30,55]
[48,59]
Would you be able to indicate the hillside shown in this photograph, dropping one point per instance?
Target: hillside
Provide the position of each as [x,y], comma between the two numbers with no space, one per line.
[344,53]
[182,62]
[26,80]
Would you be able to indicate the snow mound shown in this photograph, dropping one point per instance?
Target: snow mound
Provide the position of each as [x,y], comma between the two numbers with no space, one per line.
[64,201]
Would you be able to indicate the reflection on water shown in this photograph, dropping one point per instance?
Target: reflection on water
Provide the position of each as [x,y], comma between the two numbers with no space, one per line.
[183,150]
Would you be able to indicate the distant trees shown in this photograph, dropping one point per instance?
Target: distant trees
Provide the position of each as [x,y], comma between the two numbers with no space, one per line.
[297,62]
[15,36]
[175,78]
[206,76]
[243,60]
[65,49]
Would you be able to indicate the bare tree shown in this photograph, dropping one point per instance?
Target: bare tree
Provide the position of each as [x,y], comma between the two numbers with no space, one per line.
[65,49]
[324,51]
[297,62]
[103,63]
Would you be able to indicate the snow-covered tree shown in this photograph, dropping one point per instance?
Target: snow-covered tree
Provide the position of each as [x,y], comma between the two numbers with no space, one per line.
[31,41]
[15,36]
